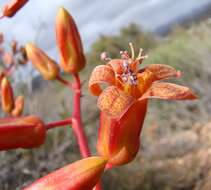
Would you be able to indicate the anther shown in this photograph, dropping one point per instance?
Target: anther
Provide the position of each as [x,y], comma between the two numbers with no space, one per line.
[104,56]
[125,64]
[124,55]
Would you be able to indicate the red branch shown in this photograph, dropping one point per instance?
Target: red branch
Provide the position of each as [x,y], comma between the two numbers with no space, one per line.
[77,123]
[60,123]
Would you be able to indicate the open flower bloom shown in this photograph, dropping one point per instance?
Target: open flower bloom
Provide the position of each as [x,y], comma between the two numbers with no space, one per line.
[21,132]
[123,103]
[80,175]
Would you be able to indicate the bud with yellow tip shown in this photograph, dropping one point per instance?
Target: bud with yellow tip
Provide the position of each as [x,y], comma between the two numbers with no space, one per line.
[69,43]
[44,64]
[80,175]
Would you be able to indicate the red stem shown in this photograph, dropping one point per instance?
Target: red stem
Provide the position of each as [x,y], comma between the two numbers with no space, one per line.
[76,121]
[60,123]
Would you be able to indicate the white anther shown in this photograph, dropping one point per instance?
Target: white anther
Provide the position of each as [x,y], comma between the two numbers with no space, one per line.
[125,64]
[104,56]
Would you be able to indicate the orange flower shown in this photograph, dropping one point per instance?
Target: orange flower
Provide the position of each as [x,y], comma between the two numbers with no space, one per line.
[123,103]
[12,7]
[69,43]
[80,175]
[21,132]
[44,64]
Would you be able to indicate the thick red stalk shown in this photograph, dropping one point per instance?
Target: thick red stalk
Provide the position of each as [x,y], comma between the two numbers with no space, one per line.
[76,121]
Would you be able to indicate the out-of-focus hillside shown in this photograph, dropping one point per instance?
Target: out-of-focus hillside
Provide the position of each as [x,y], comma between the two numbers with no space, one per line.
[176,141]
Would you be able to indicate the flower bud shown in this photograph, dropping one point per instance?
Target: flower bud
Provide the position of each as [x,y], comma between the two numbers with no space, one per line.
[22,132]
[44,64]
[69,43]
[7,99]
[19,105]
[12,7]
[80,175]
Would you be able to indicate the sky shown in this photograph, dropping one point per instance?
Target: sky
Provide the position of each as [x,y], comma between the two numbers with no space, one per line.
[35,22]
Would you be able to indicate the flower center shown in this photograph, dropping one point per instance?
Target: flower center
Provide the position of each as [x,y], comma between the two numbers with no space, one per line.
[130,65]
[128,76]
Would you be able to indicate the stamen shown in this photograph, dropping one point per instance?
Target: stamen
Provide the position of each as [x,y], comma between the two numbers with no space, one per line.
[104,56]
[132,50]
[139,54]
[124,55]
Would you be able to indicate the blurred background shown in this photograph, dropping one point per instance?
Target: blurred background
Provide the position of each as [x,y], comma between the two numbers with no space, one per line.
[176,141]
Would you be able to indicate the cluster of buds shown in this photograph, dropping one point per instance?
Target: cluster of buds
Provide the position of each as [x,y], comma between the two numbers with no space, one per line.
[123,105]
[72,59]
[9,60]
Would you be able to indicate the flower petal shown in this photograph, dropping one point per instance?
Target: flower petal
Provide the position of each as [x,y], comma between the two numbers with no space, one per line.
[161,71]
[114,102]
[169,91]
[101,74]
[117,65]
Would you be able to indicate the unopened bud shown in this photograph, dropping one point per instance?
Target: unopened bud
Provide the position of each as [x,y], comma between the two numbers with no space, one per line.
[69,43]
[12,7]
[21,132]
[80,175]
[7,98]
[44,64]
